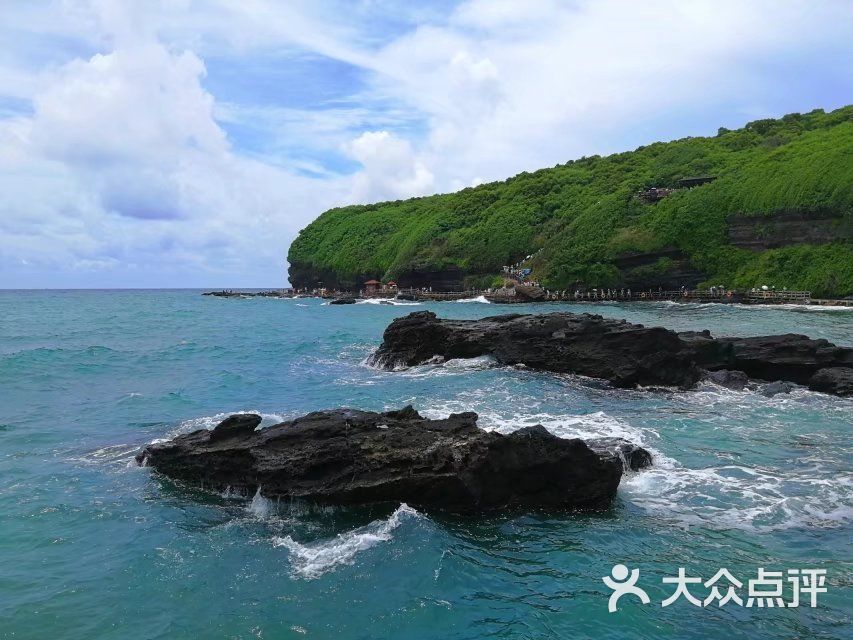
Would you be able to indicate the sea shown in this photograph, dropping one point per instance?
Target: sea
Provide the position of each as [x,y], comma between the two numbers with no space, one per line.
[93,546]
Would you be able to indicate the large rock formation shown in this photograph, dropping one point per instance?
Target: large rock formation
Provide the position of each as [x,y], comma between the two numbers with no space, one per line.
[345,456]
[625,354]
[791,357]
[530,293]
[837,380]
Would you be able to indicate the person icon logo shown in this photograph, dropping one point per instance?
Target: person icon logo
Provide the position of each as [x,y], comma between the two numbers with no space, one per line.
[623,585]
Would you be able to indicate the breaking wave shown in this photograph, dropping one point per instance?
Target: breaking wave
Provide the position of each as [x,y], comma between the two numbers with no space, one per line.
[389,301]
[310,561]
[208,422]
[730,495]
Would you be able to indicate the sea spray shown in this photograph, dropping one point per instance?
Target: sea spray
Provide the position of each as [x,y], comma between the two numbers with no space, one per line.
[310,561]
[260,506]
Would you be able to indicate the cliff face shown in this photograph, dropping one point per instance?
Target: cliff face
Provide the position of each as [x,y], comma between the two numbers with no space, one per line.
[778,212]
[788,228]
[668,268]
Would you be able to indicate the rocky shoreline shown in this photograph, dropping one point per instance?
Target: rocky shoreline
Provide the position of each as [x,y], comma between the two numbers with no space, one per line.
[347,457]
[623,353]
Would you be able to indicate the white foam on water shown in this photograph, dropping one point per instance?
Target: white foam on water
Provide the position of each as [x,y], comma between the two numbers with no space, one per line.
[586,426]
[232,494]
[720,496]
[480,299]
[796,307]
[390,301]
[310,561]
[733,402]
[738,497]
[111,454]
[209,422]
[438,367]
[751,307]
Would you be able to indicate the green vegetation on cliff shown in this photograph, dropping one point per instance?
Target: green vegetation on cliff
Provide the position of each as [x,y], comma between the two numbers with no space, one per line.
[583,217]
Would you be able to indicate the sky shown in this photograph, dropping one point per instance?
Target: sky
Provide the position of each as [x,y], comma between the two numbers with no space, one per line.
[185,143]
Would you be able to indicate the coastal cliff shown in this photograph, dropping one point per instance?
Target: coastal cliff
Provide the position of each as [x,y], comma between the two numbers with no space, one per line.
[778,211]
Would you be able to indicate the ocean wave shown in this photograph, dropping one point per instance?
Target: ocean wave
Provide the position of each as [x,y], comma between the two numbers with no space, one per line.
[390,301]
[727,496]
[115,455]
[438,367]
[480,299]
[310,561]
[750,307]
[739,497]
[735,401]
[598,424]
[209,422]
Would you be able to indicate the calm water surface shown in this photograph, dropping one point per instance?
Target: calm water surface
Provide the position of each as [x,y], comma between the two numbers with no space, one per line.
[93,547]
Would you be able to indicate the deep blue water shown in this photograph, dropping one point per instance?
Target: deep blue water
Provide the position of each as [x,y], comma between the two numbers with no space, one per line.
[92,546]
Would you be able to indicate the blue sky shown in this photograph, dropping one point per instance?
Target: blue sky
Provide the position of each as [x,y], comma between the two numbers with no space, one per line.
[185,143]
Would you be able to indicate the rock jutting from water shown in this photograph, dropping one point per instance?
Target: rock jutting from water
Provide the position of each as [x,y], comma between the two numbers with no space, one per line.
[836,380]
[625,354]
[346,456]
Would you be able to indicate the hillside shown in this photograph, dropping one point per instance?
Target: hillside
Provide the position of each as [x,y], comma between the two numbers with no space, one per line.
[780,212]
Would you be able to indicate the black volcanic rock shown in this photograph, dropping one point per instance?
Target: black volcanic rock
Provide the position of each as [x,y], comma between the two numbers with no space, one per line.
[836,380]
[736,380]
[790,357]
[530,293]
[345,456]
[236,426]
[775,388]
[625,354]
[342,301]
[634,457]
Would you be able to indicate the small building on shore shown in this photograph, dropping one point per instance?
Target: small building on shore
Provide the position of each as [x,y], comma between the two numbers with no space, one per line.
[371,287]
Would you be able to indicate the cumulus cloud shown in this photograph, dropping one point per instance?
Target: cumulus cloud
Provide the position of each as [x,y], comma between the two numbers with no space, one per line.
[122,166]
[391,169]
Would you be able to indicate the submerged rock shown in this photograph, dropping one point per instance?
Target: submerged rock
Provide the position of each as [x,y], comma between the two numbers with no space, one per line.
[623,353]
[346,456]
[837,380]
[342,301]
[736,380]
[775,388]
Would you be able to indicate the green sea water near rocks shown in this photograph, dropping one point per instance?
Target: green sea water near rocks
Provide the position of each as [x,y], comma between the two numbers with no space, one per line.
[92,546]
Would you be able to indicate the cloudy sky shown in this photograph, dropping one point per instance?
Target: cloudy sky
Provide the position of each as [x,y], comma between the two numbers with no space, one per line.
[185,143]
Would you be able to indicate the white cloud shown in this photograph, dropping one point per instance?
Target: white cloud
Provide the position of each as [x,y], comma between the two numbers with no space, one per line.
[392,170]
[122,166]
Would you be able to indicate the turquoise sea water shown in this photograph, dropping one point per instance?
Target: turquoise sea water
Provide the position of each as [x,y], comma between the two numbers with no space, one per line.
[92,546]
